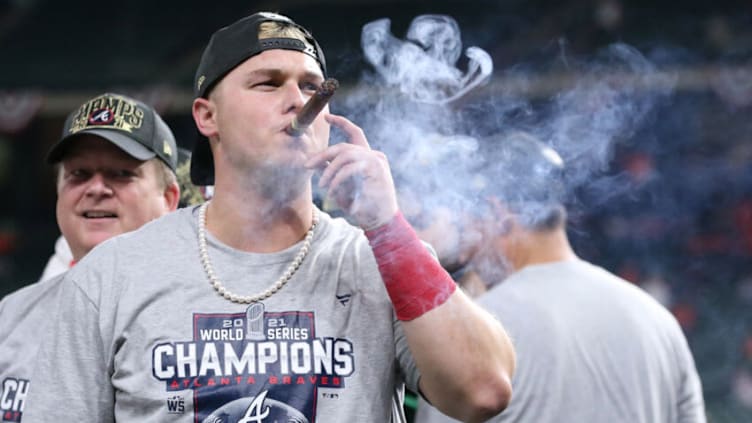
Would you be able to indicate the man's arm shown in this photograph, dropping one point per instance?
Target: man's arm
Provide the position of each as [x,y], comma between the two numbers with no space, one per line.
[471,360]
[464,356]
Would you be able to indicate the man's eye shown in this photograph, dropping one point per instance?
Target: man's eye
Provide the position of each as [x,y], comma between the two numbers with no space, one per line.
[309,86]
[123,173]
[78,174]
[264,84]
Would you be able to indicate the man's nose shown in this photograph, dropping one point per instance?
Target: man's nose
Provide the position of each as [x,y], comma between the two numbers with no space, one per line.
[296,97]
[98,185]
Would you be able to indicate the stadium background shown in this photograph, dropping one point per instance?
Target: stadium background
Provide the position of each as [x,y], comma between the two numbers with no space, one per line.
[682,230]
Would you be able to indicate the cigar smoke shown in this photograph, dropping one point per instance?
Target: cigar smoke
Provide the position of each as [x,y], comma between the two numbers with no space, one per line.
[407,105]
[420,107]
[429,115]
[607,105]
[424,65]
[312,108]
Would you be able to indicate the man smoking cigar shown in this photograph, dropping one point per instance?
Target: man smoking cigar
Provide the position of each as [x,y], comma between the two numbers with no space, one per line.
[258,306]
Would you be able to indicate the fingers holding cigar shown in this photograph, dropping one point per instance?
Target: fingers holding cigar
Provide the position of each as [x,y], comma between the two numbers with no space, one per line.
[324,159]
[343,161]
[356,177]
[354,133]
[355,137]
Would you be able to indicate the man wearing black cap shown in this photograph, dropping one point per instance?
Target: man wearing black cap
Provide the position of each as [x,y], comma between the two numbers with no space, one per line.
[62,258]
[257,306]
[115,167]
[142,183]
[591,347]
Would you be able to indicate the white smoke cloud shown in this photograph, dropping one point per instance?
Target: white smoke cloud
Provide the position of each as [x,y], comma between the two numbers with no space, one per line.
[423,66]
[415,106]
[615,94]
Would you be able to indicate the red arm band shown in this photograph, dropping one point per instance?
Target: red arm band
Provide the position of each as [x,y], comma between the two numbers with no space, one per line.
[414,279]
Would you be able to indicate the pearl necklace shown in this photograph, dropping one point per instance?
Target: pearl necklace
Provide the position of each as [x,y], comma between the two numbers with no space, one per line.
[247,299]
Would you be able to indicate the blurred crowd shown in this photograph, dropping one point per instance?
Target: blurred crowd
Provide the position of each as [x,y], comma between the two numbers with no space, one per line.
[683,233]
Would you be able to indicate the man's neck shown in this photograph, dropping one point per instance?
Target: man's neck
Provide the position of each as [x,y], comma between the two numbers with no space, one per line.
[250,221]
[540,247]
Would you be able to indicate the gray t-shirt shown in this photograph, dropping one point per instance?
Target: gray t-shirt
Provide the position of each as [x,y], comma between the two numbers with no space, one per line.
[23,316]
[591,347]
[140,335]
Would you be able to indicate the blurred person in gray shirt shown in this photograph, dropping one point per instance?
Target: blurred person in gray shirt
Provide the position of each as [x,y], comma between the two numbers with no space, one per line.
[591,347]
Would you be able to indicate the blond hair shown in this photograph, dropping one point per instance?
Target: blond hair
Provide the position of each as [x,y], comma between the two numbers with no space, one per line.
[271,29]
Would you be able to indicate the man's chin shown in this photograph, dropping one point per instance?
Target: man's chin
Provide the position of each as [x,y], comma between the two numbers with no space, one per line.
[94,239]
[289,167]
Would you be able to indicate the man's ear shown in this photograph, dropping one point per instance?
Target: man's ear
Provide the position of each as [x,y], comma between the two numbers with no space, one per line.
[172,196]
[504,218]
[204,114]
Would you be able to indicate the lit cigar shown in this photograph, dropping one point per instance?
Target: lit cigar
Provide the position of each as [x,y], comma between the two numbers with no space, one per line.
[312,108]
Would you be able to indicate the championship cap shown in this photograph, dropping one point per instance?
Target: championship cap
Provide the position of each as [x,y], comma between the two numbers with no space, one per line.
[229,47]
[130,124]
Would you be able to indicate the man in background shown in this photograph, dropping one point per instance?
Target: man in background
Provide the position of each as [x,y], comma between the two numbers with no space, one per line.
[62,258]
[591,347]
[115,168]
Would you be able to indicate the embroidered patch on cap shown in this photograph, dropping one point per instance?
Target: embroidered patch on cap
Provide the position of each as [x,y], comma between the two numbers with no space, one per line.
[101,117]
[166,149]
[108,111]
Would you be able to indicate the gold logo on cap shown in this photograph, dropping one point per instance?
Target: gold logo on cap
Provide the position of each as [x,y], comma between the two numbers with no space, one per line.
[108,111]
[201,80]
[166,148]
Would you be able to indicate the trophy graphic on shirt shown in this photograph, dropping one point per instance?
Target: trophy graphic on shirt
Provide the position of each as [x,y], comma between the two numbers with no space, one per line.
[254,322]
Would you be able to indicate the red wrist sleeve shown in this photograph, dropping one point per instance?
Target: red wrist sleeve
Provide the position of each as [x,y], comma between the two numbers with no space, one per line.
[414,279]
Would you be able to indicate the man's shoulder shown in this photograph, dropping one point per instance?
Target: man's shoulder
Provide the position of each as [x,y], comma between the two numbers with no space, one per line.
[339,240]
[27,308]
[169,224]
[169,233]
[167,229]
[593,281]
[339,227]
[26,297]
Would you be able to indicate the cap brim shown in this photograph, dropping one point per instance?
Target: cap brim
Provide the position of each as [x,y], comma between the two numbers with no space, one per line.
[132,147]
[202,162]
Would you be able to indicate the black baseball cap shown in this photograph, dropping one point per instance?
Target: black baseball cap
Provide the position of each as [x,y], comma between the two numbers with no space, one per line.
[229,47]
[131,125]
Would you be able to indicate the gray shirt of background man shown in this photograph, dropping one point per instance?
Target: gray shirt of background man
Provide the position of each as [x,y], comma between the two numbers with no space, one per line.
[574,326]
[23,313]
